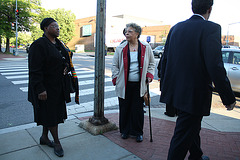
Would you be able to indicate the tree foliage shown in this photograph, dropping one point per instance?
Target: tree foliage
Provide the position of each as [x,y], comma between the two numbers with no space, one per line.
[30,16]
[28,11]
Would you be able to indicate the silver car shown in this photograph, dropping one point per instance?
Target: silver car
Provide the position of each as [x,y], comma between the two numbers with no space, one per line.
[231,59]
[158,51]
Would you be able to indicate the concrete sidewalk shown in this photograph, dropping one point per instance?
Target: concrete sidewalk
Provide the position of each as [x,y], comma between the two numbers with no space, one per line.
[4,56]
[220,140]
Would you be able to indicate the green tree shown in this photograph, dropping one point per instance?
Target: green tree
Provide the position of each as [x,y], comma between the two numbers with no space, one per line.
[23,38]
[28,10]
[65,20]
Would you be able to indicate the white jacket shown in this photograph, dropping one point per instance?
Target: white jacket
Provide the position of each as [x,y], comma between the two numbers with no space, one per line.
[120,68]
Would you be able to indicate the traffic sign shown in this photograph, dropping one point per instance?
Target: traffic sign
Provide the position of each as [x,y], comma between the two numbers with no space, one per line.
[148,39]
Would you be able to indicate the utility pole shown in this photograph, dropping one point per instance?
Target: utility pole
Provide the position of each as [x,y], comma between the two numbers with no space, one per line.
[16,16]
[98,124]
[98,117]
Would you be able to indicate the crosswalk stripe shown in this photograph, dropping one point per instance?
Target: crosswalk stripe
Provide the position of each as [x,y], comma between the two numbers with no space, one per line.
[85,76]
[12,67]
[16,77]
[83,92]
[81,83]
[83,69]
[26,76]
[20,82]
[13,73]
[13,70]
[89,91]
[82,72]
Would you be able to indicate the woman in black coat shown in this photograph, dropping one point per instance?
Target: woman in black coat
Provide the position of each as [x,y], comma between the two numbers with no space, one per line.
[49,63]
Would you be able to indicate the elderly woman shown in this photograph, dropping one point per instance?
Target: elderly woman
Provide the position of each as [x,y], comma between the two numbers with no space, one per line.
[49,63]
[132,68]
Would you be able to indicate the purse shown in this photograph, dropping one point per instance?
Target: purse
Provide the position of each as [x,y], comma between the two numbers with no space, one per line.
[70,83]
[68,87]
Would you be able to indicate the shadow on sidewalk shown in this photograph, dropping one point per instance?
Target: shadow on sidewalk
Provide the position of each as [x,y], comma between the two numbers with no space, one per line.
[215,144]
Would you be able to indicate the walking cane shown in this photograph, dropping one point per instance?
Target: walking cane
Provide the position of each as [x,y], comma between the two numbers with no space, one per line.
[150,124]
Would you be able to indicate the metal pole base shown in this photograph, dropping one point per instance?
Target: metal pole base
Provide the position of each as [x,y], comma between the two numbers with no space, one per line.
[98,120]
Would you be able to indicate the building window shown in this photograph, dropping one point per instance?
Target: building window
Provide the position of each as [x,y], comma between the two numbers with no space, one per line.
[86,30]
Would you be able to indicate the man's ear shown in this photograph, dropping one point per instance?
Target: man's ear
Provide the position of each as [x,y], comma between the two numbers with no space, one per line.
[210,10]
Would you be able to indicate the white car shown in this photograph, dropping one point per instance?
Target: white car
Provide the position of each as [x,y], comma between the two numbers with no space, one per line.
[231,59]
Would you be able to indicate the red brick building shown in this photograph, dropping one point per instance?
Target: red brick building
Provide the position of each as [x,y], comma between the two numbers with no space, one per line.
[86,29]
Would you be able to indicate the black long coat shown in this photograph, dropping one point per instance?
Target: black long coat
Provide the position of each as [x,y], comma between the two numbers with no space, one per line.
[191,61]
[46,65]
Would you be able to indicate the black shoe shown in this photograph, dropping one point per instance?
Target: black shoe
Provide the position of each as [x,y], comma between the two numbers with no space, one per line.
[144,111]
[58,150]
[139,138]
[204,158]
[124,136]
[49,143]
[169,115]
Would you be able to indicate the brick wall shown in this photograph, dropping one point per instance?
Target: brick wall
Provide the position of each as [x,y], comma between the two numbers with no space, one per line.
[159,32]
[78,38]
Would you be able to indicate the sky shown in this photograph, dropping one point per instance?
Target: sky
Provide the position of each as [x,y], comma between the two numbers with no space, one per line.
[225,12]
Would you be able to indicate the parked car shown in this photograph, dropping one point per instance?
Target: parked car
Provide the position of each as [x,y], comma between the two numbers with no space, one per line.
[231,59]
[158,51]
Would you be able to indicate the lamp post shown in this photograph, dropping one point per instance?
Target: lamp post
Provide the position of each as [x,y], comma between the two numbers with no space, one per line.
[16,16]
[228,31]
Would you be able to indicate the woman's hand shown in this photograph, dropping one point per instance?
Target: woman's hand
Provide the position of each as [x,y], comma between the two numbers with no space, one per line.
[114,81]
[42,96]
[148,80]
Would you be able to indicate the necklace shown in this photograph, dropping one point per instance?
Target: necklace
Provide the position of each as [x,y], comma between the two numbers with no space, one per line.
[134,48]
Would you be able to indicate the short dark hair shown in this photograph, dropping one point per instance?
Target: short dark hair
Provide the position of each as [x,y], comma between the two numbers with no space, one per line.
[201,6]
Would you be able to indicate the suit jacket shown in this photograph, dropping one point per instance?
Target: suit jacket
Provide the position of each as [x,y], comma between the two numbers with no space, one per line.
[191,61]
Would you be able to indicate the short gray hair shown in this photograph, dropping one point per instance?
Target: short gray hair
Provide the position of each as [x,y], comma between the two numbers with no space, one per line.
[136,27]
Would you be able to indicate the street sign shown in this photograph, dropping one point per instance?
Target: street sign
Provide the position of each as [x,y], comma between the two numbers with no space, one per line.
[148,39]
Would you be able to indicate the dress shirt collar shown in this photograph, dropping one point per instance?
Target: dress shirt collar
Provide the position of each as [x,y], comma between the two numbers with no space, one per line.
[200,16]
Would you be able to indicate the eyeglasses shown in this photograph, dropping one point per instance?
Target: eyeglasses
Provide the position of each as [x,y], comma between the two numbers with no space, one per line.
[55,26]
[129,31]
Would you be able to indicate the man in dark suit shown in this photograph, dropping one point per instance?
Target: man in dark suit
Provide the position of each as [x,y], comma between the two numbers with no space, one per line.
[170,110]
[192,60]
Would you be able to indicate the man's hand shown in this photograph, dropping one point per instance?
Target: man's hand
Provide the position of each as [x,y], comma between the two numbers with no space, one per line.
[230,106]
[42,96]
